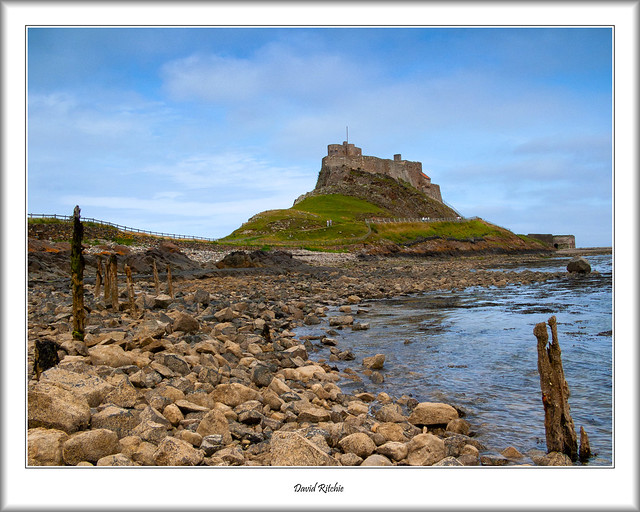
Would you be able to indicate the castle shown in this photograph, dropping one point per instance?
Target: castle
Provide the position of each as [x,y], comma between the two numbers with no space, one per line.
[344,157]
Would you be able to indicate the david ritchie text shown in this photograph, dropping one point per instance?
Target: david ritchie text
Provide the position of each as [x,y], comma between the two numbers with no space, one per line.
[318,487]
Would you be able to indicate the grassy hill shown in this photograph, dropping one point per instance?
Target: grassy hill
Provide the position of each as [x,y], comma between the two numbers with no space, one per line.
[305,225]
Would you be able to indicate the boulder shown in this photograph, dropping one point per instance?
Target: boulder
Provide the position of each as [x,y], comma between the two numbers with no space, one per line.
[118,459]
[312,414]
[511,453]
[376,460]
[110,355]
[359,443]
[150,431]
[215,423]
[459,426]
[51,406]
[175,363]
[425,450]
[340,320]
[374,362]
[118,419]
[390,413]
[292,449]
[45,446]
[233,394]
[186,323]
[579,265]
[493,459]
[92,388]
[392,432]
[432,413]
[124,395]
[90,446]
[393,450]
[449,461]
[176,452]
[162,301]
[211,444]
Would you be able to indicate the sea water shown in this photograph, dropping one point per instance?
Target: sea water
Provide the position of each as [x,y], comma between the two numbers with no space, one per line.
[475,349]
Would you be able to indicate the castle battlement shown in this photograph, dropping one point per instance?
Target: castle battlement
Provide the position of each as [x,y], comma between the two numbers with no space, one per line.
[345,156]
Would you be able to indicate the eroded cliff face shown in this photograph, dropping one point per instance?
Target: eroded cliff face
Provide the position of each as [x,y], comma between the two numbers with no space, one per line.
[396,195]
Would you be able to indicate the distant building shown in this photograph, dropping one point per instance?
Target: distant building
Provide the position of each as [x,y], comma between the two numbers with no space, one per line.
[557,241]
[345,156]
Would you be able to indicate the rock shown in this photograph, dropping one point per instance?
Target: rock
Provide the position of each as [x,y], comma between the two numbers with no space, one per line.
[511,453]
[353,299]
[350,459]
[425,450]
[150,431]
[202,296]
[377,378]
[356,408]
[118,459]
[279,387]
[292,449]
[459,426]
[376,460]
[186,406]
[361,326]
[173,414]
[393,450]
[432,413]
[91,446]
[92,388]
[311,319]
[340,320]
[51,406]
[110,355]
[359,443]
[312,414]
[211,444]
[309,372]
[215,423]
[185,323]
[176,452]
[467,459]
[579,265]
[234,393]
[175,363]
[392,432]
[489,459]
[119,420]
[232,455]
[225,315]
[190,437]
[374,362]
[152,414]
[45,446]
[552,459]
[162,301]
[390,413]
[124,395]
[449,461]
[261,376]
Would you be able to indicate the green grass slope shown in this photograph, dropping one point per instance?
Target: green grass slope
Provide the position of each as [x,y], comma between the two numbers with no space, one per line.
[306,222]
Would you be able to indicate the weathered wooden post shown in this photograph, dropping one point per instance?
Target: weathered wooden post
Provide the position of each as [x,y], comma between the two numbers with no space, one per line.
[558,424]
[96,291]
[130,290]
[77,270]
[113,264]
[107,283]
[169,283]
[156,281]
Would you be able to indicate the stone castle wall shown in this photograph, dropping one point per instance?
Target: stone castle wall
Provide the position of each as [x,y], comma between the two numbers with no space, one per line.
[342,157]
[557,241]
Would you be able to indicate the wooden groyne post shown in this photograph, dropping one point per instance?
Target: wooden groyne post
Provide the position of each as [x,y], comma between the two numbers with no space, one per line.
[130,290]
[113,281]
[77,271]
[558,424]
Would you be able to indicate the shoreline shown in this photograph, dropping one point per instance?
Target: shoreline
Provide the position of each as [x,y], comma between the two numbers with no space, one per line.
[267,393]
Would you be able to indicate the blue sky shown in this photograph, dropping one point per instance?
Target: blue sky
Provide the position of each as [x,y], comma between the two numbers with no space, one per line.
[194,130]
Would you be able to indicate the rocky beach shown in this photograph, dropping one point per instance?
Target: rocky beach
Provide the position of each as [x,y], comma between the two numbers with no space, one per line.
[209,371]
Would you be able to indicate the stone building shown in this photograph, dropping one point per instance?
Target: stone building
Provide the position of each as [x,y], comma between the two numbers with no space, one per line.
[557,241]
[344,157]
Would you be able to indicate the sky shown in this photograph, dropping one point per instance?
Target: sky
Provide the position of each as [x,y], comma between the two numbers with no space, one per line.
[195,130]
